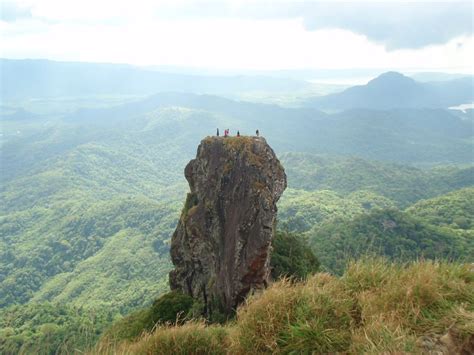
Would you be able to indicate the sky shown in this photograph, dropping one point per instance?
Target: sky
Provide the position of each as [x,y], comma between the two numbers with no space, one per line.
[256,35]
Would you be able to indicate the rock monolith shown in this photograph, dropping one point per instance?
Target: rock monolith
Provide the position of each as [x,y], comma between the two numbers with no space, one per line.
[221,247]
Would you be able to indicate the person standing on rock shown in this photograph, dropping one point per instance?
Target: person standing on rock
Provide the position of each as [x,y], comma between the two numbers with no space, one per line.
[218,132]
[238,133]
[257,132]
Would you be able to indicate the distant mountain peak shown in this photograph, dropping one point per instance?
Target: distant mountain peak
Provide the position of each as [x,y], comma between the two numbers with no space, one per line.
[392,77]
[392,74]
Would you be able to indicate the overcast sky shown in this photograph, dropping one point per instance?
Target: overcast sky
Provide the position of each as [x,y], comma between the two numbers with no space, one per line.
[429,35]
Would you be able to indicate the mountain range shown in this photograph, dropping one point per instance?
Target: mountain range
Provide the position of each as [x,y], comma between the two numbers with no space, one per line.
[25,79]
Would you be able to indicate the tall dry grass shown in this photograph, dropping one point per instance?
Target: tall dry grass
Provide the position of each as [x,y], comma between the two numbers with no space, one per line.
[375,307]
[401,303]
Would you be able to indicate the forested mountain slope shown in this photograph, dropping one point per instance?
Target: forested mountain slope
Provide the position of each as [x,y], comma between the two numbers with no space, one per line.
[392,233]
[403,184]
[453,210]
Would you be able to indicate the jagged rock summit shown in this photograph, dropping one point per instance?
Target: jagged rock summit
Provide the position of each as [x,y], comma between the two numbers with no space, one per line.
[222,244]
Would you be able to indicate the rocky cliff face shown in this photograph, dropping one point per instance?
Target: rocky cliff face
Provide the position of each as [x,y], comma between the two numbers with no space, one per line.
[222,244]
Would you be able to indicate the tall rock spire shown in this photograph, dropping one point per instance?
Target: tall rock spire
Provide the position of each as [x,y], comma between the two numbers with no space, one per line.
[222,244]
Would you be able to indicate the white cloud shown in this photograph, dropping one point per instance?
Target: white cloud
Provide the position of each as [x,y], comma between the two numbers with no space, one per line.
[147,33]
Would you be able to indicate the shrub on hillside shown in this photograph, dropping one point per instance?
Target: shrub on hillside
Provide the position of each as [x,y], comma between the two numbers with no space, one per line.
[172,308]
[292,256]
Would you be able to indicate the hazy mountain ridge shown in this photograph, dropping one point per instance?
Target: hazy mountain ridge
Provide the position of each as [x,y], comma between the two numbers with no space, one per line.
[435,135]
[394,90]
[24,79]
[31,78]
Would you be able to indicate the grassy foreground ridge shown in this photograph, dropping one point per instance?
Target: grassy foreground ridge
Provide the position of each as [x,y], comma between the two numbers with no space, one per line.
[376,306]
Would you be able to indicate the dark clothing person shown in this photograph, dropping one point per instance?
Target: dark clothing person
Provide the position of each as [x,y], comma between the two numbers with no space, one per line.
[218,132]
[238,134]
[257,132]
